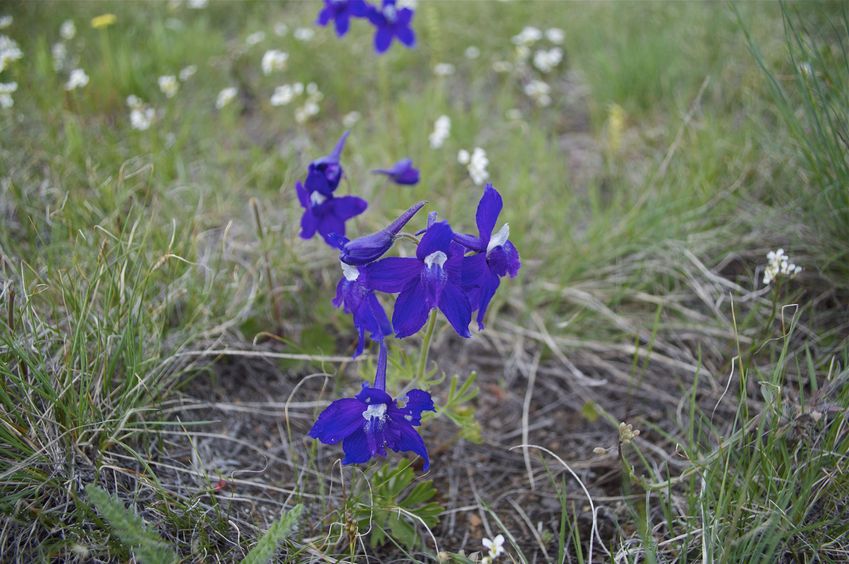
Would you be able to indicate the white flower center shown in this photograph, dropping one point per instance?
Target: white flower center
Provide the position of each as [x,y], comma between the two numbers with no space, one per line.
[499,238]
[350,273]
[375,410]
[317,198]
[438,258]
[389,12]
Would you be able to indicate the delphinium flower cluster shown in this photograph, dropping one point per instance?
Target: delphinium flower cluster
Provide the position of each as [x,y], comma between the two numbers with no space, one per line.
[451,272]
[392,19]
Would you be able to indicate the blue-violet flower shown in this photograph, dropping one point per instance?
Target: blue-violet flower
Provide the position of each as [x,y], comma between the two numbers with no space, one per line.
[326,214]
[341,12]
[431,280]
[325,173]
[403,172]
[356,298]
[372,421]
[391,23]
[495,255]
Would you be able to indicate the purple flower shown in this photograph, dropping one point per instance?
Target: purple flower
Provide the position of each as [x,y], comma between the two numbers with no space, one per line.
[431,280]
[355,297]
[371,422]
[369,248]
[341,11]
[495,255]
[402,172]
[391,23]
[324,173]
[326,214]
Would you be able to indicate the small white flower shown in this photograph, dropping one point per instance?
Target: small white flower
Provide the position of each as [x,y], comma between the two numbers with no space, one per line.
[443,69]
[281,29]
[198,4]
[141,115]
[168,85]
[527,36]
[778,264]
[463,157]
[305,112]
[134,102]
[255,38]
[298,87]
[274,60]
[441,131]
[60,54]
[68,30]
[411,4]
[494,546]
[9,51]
[226,96]
[283,95]
[187,72]
[547,59]
[77,79]
[313,91]
[478,165]
[555,35]
[472,52]
[304,34]
[6,91]
[539,92]
[351,118]
[5,21]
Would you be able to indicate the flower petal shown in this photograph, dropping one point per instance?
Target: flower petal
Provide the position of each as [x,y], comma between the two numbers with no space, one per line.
[455,305]
[356,447]
[346,207]
[410,441]
[437,238]
[488,211]
[338,420]
[410,309]
[392,274]
[417,401]
[489,284]
[382,39]
[309,224]
[303,195]
[406,35]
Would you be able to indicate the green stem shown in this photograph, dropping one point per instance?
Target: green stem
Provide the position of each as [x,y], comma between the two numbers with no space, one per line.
[431,325]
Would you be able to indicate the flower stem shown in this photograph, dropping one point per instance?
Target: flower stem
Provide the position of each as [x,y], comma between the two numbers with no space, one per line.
[431,325]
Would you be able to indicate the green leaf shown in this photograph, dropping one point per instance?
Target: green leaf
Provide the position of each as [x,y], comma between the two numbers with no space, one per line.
[148,547]
[278,532]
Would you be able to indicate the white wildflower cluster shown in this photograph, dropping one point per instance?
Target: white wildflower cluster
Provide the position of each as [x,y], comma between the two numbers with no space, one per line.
[77,79]
[531,54]
[304,34]
[441,131]
[6,21]
[141,114]
[6,91]
[472,52]
[476,162]
[9,51]
[778,264]
[168,85]
[288,93]
[546,60]
[443,69]
[539,92]
[60,56]
[274,60]
[495,548]
[627,433]
[68,30]
[226,96]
